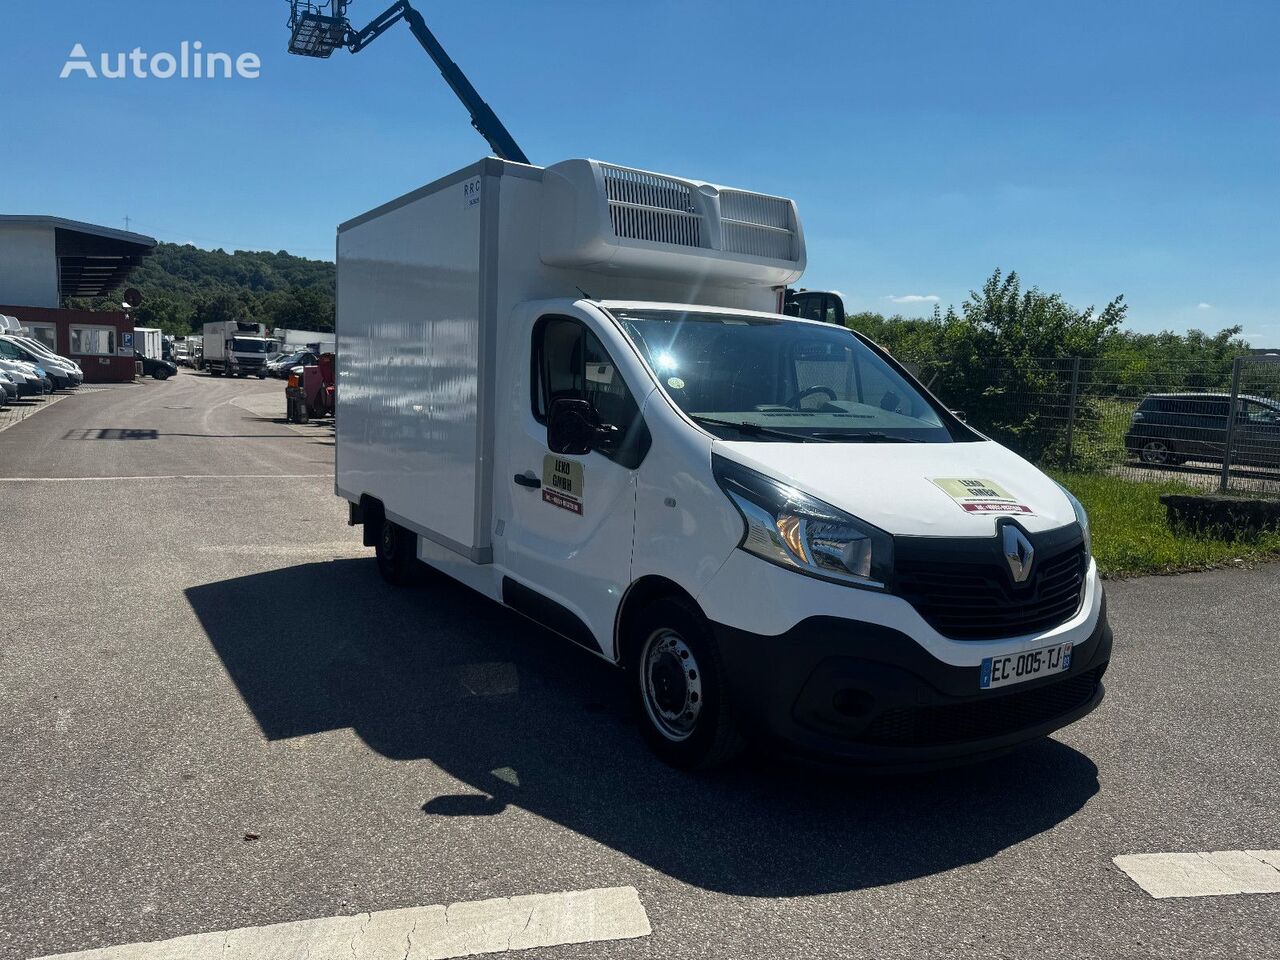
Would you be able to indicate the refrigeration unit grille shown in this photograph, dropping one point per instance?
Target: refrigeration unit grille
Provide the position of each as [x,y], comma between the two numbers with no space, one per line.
[643,206]
[755,208]
[757,225]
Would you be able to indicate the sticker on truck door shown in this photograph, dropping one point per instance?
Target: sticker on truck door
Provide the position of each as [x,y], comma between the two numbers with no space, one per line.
[562,483]
[980,496]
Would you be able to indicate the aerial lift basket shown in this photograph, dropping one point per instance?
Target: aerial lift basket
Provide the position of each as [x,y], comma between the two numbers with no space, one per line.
[317,29]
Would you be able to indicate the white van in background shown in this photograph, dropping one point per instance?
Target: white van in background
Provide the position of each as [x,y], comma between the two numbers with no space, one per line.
[573,390]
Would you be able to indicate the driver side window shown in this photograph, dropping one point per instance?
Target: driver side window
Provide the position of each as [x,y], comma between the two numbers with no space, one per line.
[570,362]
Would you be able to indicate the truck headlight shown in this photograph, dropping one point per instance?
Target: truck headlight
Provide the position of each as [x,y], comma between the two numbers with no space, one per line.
[1082,518]
[800,532]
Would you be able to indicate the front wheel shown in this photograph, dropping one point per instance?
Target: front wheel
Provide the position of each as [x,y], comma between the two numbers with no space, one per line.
[396,550]
[684,704]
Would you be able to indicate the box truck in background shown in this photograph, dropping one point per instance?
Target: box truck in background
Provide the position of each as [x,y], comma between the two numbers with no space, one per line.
[148,342]
[316,341]
[236,348]
[574,389]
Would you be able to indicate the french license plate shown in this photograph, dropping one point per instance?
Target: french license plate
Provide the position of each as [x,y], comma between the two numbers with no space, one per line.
[1019,667]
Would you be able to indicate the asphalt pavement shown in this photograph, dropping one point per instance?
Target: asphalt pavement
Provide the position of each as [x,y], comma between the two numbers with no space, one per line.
[216,716]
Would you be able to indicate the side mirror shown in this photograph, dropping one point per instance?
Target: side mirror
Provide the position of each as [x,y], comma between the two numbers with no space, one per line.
[574,429]
[823,305]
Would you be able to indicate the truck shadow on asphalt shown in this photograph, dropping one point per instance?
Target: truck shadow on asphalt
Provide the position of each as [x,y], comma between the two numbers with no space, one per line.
[438,672]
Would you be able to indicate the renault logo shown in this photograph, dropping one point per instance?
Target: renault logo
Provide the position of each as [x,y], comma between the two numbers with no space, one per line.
[1018,551]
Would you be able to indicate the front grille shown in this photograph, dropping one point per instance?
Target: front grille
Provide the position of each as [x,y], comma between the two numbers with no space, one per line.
[969,594]
[981,719]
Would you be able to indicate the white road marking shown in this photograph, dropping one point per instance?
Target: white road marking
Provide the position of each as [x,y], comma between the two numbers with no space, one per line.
[1220,873]
[414,933]
[177,476]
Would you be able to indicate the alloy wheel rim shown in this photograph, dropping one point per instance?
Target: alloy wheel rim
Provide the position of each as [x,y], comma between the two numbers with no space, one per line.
[1155,452]
[671,684]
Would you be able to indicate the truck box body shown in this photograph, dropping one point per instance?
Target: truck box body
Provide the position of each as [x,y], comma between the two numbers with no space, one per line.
[147,341]
[425,282]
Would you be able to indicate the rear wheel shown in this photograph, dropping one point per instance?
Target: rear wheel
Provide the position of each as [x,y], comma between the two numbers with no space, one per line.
[1156,453]
[678,680]
[396,550]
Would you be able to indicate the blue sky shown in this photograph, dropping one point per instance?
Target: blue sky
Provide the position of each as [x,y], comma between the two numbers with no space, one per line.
[1097,148]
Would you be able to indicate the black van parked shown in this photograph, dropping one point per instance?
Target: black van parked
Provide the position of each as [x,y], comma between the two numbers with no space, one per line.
[1172,428]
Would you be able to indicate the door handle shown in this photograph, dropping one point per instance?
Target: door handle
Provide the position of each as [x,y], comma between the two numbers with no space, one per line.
[533,483]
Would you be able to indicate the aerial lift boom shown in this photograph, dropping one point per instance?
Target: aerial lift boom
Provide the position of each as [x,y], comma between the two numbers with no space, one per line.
[316,33]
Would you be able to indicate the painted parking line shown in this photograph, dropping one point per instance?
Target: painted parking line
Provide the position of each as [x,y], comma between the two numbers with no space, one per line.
[414,933]
[1220,873]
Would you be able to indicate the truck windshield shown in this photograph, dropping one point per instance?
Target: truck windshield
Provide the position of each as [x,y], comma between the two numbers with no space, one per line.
[246,345]
[768,379]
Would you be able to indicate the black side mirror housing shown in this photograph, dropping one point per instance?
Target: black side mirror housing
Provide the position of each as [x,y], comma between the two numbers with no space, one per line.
[574,429]
[825,306]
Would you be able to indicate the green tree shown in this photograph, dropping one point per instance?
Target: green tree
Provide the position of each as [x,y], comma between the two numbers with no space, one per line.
[1003,358]
[172,316]
[298,308]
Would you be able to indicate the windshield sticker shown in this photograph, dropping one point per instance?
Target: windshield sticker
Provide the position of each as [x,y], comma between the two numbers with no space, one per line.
[562,483]
[675,383]
[980,496]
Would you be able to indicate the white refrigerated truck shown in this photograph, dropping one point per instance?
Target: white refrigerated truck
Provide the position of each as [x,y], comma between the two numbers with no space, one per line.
[236,348]
[574,390]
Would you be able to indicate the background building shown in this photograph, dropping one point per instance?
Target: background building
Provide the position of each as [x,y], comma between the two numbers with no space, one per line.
[46,260]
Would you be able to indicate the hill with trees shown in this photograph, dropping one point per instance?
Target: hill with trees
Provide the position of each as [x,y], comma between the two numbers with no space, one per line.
[185,287]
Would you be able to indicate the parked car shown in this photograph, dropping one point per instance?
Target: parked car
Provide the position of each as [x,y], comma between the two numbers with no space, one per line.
[64,373]
[30,379]
[1172,428]
[45,351]
[8,388]
[151,367]
[283,366]
[60,377]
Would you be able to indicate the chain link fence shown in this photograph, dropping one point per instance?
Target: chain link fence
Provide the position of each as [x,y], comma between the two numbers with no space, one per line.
[1212,424]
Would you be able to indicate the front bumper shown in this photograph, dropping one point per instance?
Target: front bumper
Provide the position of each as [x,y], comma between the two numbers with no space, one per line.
[839,689]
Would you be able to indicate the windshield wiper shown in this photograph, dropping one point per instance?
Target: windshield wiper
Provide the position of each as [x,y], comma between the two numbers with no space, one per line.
[749,429]
[872,437]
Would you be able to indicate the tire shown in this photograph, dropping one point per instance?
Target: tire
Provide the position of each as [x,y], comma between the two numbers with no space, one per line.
[262,376]
[1156,453]
[161,375]
[396,550]
[677,679]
